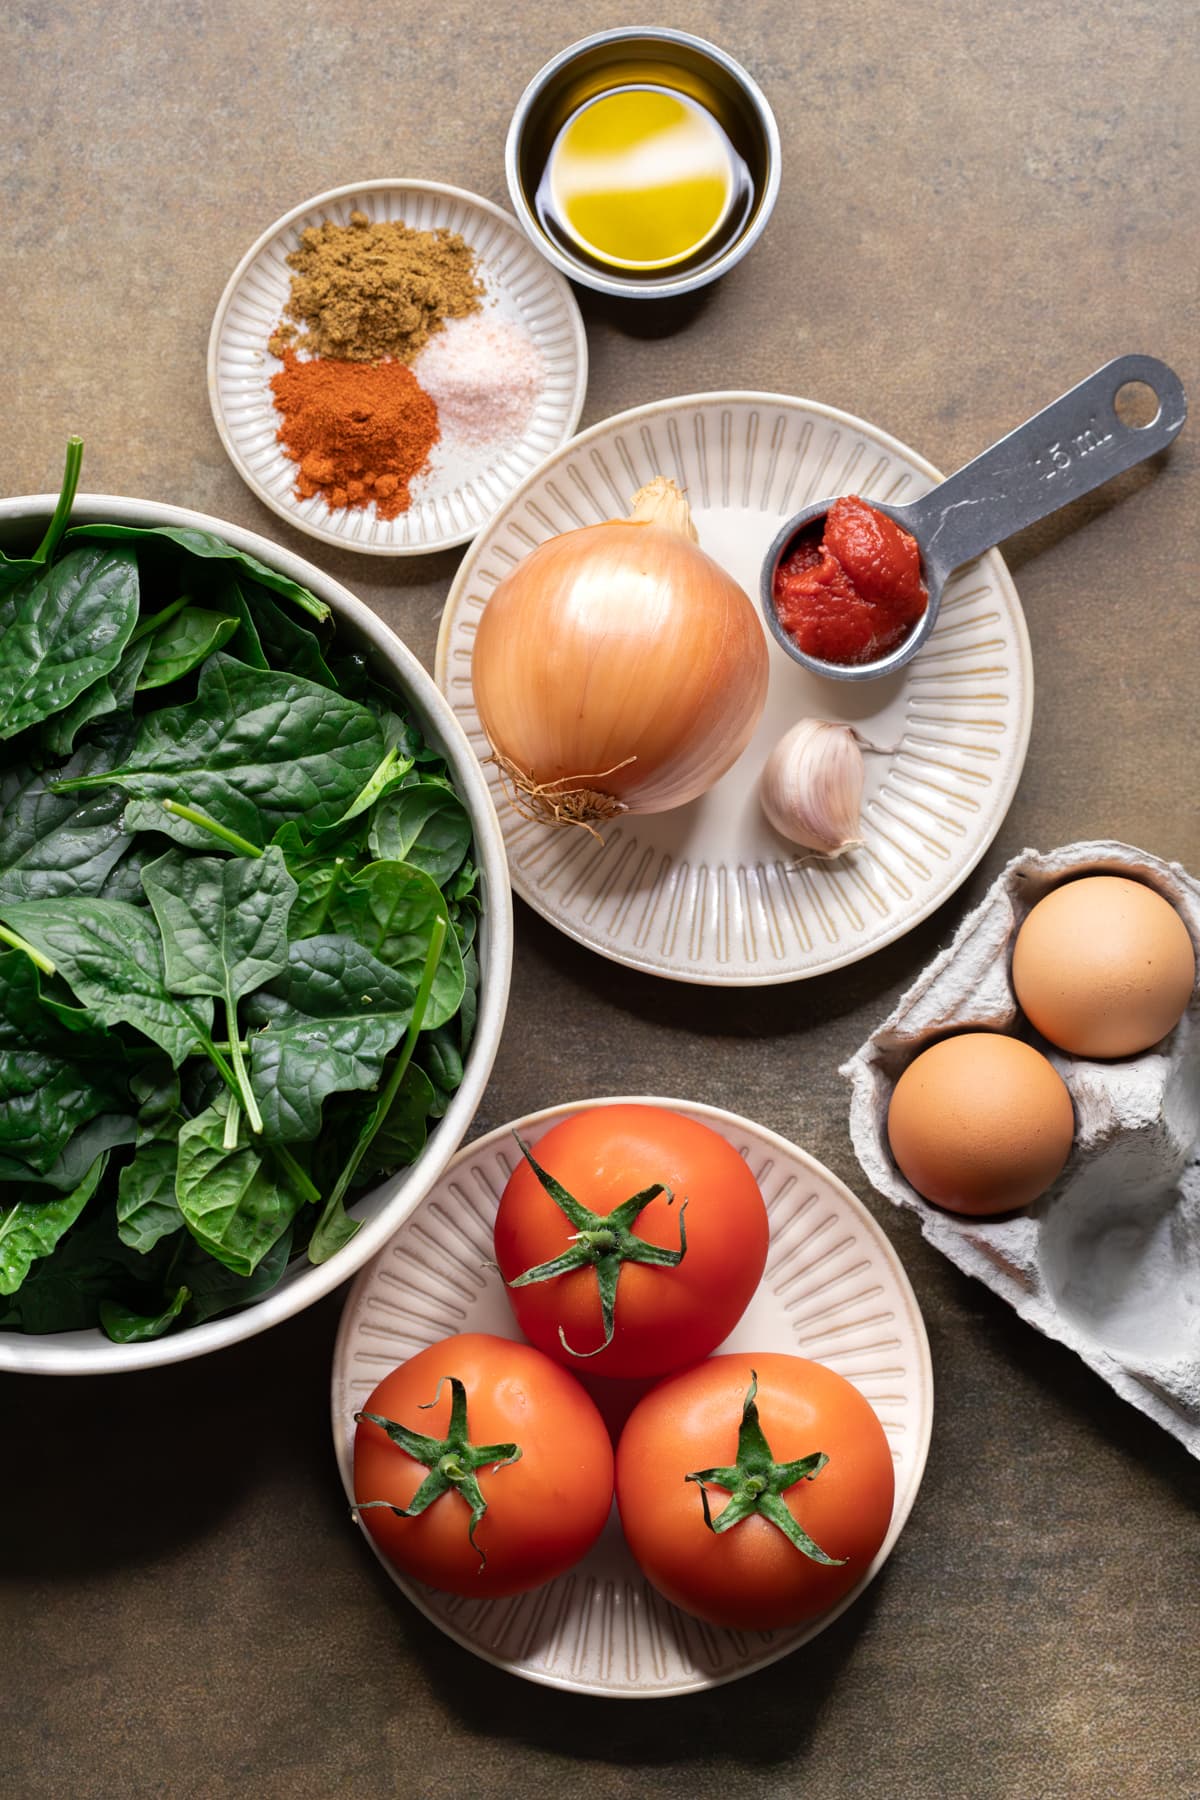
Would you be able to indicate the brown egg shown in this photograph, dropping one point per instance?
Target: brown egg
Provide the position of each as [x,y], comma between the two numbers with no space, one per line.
[980,1123]
[1103,966]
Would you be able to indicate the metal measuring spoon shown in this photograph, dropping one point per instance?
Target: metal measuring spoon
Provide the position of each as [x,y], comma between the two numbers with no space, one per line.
[1062,453]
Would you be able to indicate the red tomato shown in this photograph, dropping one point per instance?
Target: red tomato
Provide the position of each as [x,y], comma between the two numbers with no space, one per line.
[750,1576]
[544,1511]
[664,1317]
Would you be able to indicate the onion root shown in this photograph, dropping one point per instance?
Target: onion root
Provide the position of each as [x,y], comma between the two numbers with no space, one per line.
[568,801]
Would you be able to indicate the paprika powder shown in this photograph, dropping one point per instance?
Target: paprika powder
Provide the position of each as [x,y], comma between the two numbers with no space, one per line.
[360,432]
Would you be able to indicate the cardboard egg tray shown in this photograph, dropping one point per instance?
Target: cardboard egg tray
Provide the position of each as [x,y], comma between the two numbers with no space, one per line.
[1108,1260]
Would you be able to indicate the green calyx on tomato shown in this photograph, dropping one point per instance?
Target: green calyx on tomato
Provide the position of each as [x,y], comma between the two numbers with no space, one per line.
[451,1461]
[757,1483]
[603,1241]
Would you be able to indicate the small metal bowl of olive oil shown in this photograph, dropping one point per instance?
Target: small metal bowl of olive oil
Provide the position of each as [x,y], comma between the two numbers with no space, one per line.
[643,162]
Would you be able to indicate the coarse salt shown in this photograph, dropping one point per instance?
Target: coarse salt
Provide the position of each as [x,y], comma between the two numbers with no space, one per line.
[484,375]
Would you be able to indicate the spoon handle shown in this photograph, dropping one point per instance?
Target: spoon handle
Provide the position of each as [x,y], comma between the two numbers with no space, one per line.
[1062,453]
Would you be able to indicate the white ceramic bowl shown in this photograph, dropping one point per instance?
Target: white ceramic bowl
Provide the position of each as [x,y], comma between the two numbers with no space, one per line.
[384,1208]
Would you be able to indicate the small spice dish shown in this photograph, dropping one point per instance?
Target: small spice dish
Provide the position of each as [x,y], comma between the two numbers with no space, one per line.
[468,475]
[698,79]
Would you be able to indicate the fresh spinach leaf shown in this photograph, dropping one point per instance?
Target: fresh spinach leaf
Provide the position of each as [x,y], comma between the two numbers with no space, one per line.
[390,908]
[124,1326]
[401,1137]
[112,693]
[63,1291]
[253,750]
[53,843]
[156,1088]
[204,545]
[353,675]
[224,924]
[246,645]
[329,1022]
[223,921]
[398,728]
[390,773]
[47,1087]
[334,1228]
[183,643]
[111,955]
[147,1209]
[124,879]
[317,886]
[31,1225]
[470,1007]
[216,1289]
[107,1132]
[464,889]
[285,643]
[61,631]
[234,1203]
[424,824]
[442,1062]
[318,870]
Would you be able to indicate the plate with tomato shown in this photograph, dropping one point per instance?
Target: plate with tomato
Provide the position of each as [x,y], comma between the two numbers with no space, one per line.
[651,1296]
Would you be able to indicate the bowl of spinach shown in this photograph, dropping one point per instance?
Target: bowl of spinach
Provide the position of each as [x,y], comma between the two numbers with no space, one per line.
[255,933]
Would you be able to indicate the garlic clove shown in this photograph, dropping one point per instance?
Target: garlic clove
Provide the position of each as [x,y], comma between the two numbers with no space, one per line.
[811,787]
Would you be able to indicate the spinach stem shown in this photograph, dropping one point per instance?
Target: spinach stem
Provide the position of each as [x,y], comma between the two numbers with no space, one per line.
[66,499]
[301,597]
[239,1065]
[222,1067]
[194,816]
[279,1153]
[153,621]
[35,956]
[384,1103]
[367,795]
[232,1125]
[291,1168]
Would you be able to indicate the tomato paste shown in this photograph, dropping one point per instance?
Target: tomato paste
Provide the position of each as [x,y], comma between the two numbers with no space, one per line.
[849,588]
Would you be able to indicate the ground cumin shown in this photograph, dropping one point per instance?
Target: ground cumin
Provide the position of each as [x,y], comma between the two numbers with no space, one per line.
[359,431]
[364,291]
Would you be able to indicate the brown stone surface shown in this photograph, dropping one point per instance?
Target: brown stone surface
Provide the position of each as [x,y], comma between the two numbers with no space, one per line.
[980,205]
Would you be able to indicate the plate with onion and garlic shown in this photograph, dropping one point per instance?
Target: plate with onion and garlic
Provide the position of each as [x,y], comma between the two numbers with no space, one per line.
[675,791]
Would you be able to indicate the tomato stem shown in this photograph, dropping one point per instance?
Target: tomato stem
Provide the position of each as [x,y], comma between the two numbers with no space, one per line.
[452,1461]
[756,1483]
[601,1241]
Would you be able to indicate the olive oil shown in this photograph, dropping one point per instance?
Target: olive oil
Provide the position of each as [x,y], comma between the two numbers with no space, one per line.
[643,177]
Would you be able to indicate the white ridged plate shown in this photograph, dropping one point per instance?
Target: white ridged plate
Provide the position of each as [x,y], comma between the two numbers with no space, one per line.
[463,486]
[710,893]
[834,1290]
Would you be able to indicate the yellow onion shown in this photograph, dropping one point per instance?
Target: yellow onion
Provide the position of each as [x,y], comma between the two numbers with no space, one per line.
[618,668]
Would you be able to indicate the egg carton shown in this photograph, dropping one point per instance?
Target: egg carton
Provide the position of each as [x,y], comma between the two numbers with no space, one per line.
[1107,1261]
